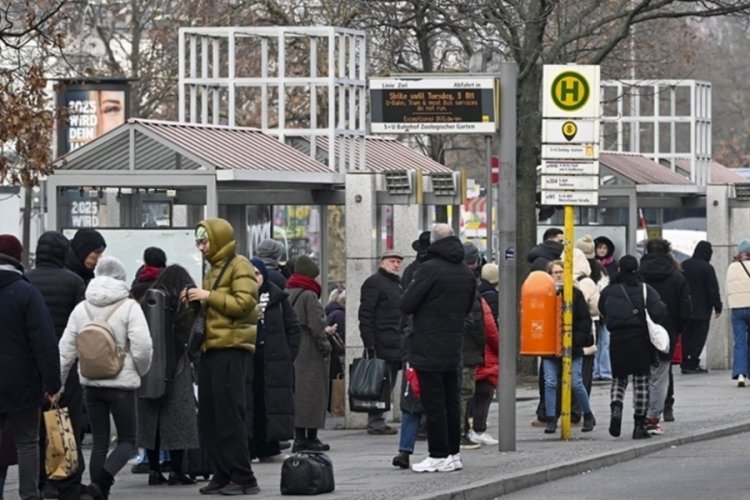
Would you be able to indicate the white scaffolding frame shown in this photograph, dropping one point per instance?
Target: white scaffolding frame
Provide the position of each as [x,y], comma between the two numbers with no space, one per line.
[637,115]
[209,82]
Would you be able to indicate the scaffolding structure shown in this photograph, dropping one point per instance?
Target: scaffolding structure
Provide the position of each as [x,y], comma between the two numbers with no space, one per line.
[291,82]
[664,120]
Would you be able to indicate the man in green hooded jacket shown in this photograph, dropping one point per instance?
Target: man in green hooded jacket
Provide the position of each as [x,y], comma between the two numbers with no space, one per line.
[228,299]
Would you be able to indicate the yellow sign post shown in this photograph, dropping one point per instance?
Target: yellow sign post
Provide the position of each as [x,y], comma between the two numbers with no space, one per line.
[567,360]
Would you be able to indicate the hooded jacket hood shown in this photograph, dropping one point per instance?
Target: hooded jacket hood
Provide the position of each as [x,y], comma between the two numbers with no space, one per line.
[221,238]
[449,248]
[105,290]
[656,267]
[610,245]
[52,249]
[548,250]
[703,251]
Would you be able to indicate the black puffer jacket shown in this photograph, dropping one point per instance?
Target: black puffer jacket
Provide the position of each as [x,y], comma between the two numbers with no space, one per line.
[61,288]
[491,295]
[379,315]
[543,253]
[474,334]
[29,358]
[701,276]
[658,270]
[621,305]
[439,298]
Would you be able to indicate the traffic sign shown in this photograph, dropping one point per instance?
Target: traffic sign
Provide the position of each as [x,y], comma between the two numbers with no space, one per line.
[576,182]
[580,167]
[570,198]
[570,151]
[571,91]
[576,131]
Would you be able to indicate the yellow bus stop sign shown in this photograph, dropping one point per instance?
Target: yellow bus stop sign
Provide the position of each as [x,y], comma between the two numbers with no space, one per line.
[570,91]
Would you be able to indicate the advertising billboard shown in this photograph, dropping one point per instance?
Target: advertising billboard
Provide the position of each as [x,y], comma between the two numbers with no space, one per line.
[91,108]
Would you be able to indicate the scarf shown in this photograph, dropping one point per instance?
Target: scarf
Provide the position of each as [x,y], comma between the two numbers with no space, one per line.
[149,273]
[304,282]
[606,260]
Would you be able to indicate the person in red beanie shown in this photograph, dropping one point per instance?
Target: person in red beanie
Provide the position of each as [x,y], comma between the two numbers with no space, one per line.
[10,246]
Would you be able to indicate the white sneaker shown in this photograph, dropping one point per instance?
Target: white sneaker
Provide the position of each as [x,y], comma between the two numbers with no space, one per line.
[430,464]
[457,463]
[741,380]
[482,438]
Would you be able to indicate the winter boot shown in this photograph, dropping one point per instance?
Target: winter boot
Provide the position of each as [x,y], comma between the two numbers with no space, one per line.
[615,423]
[105,482]
[588,422]
[668,414]
[639,431]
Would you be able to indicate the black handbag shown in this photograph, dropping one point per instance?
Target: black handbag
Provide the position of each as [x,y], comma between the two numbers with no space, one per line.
[307,473]
[198,329]
[367,378]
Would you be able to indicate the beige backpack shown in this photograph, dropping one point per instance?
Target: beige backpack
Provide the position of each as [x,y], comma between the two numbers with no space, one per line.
[99,356]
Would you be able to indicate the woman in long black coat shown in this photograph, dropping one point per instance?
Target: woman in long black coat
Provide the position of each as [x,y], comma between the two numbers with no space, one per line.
[622,306]
[273,378]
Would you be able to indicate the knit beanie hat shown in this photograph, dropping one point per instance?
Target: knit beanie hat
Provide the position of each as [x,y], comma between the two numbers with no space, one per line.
[10,246]
[743,247]
[85,241]
[110,266]
[269,249]
[586,244]
[155,257]
[305,266]
[471,254]
[261,266]
[491,273]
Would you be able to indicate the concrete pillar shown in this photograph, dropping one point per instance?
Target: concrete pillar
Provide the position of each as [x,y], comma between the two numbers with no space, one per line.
[361,257]
[719,222]
[408,222]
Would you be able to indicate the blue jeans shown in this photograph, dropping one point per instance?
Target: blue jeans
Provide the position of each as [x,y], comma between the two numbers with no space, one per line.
[408,434]
[740,327]
[602,364]
[552,368]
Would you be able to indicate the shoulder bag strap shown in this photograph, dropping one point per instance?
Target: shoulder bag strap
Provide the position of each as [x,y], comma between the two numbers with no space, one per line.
[627,296]
[221,273]
[743,267]
[296,298]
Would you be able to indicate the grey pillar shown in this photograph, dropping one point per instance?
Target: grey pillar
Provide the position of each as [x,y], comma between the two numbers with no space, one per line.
[361,238]
[718,224]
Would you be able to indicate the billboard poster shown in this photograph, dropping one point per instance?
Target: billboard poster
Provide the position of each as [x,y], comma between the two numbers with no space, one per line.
[92,109]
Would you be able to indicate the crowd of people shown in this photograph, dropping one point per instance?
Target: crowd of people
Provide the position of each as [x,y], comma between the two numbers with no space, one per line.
[265,353]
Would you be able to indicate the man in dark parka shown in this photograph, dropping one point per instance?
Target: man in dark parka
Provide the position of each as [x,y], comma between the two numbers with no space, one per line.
[705,296]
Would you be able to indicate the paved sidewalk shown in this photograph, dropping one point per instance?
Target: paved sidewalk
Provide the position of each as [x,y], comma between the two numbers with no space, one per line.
[707,406]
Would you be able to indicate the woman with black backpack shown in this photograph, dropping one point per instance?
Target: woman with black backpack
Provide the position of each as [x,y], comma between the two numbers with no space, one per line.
[622,306]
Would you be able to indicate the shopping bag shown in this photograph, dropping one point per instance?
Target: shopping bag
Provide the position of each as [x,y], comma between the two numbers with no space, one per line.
[338,396]
[657,333]
[367,377]
[61,458]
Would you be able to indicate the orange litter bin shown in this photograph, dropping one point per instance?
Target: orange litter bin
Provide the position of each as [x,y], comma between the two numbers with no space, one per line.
[541,316]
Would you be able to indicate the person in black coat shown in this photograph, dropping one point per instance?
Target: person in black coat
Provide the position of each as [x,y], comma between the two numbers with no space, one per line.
[29,362]
[270,252]
[380,325]
[273,381]
[705,296]
[549,249]
[488,287]
[86,248]
[605,254]
[439,298]
[154,263]
[62,290]
[660,270]
[630,350]
[420,245]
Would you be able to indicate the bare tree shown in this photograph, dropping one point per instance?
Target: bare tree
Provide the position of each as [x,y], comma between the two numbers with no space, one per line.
[28,36]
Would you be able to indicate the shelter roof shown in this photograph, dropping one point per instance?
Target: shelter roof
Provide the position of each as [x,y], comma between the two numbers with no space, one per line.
[163,145]
[382,154]
[640,170]
[719,173]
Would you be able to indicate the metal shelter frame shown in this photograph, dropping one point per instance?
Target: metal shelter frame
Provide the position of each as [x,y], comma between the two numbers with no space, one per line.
[327,91]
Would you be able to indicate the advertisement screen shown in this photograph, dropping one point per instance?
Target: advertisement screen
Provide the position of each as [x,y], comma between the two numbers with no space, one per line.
[90,110]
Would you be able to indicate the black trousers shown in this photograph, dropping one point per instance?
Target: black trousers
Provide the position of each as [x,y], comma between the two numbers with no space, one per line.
[223,413]
[441,399]
[693,339]
[259,444]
